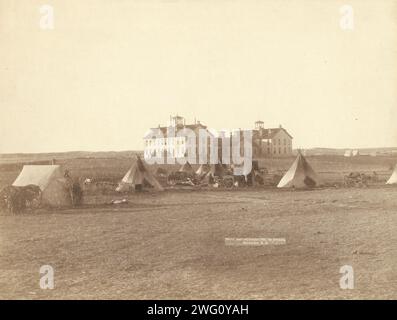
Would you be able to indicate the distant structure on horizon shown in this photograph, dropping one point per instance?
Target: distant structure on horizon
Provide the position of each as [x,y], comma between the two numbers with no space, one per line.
[266,142]
[270,141]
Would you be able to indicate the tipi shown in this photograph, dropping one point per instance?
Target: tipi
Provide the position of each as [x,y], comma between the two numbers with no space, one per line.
[51,181]
[187,168]
[137,176]
[393,178]
[300,175]
[203,170]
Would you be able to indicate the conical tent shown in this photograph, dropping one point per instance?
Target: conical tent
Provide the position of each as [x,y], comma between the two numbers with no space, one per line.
[136,176]
[393,178]
[203,170]
[300,175]
[187,168]
[49,178]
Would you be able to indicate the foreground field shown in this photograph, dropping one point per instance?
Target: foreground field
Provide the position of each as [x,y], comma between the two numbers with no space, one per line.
[172,246]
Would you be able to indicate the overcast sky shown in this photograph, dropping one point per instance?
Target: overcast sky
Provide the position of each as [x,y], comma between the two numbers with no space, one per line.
[111,69]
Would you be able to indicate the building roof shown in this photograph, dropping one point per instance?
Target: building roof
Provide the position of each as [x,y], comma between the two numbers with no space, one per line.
[269,133]
[181,127]
[263,133]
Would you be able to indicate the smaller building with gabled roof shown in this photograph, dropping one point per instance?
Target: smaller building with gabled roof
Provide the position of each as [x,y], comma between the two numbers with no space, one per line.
[270,141]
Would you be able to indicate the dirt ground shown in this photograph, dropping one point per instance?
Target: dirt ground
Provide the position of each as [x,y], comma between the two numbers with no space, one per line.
[171,245]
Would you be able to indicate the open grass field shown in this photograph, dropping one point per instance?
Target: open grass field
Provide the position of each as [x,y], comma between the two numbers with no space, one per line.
[171,245]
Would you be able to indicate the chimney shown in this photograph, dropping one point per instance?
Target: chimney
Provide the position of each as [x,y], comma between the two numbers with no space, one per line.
[259,125]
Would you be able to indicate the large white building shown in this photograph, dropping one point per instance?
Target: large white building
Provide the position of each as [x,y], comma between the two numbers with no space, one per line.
[173,145]
[266,142]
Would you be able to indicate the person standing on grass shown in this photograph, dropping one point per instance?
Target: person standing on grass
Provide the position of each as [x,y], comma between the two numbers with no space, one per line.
[69,184]
[74,189]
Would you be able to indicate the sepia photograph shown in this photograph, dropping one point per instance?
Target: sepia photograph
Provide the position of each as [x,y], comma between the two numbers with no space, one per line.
[197,150]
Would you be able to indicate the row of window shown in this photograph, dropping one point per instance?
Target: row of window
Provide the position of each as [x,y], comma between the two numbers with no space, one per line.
[276,142]
[279,150]
[155,142]
[181,141]
[172,153]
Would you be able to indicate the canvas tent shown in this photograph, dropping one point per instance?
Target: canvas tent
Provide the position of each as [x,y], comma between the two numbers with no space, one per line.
[351,153]
[50,180]
[203,170]
[299,175]
[187,168]
[137,176]
[393,178]
[348,153]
